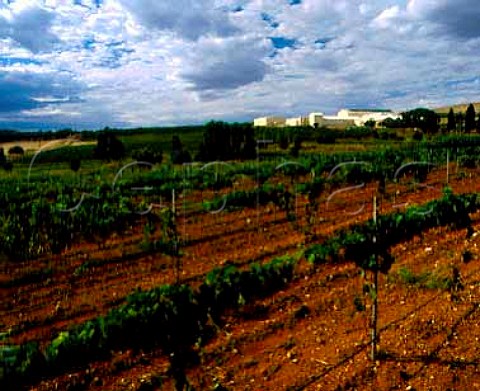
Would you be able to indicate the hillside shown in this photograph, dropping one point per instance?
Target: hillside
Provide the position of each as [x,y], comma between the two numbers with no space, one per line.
[458,108]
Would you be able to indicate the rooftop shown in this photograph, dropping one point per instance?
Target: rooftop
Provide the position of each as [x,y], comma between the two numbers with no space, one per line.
[371,110]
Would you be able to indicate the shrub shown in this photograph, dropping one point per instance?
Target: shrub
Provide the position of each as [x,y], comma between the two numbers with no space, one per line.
[109,147]
[75,164]
[16,150]
[148,154]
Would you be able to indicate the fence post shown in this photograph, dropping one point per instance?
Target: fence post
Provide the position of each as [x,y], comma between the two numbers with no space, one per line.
[448,160]
[374,287]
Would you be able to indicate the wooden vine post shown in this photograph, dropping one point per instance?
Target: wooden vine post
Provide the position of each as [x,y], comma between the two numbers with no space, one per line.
[374,289]
[448,161]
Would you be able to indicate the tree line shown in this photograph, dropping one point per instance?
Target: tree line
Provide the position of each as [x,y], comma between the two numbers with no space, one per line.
[464,123]
[221,141]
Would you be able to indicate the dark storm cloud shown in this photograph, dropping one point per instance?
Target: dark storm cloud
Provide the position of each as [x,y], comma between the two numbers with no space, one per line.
[460,18]
[231,74]
[20,90]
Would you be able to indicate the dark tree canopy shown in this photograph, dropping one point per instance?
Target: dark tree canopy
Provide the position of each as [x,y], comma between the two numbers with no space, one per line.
[16,150]
[178,154]
[424,119]
[417,135]
[109,147]
[470,118]
[370,123]
[460,121]
[8,166]
[283,142]
[148,154]
[451,124]
[176,143]
[393,123]
[224,141]
[75,164]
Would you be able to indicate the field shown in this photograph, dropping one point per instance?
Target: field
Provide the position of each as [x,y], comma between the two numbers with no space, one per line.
[34,146]
[244,275]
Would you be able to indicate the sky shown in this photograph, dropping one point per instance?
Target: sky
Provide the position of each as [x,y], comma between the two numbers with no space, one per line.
[87,64]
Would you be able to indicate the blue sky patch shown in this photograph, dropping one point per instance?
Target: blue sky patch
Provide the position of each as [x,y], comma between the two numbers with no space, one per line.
[282,42]
[112,60]
[322,42]
[269,19]
[89,43]
[8,61]
[395,94]
[238,8]
[458,82]
[96,3]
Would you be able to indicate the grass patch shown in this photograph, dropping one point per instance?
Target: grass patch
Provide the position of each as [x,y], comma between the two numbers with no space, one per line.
[442,279]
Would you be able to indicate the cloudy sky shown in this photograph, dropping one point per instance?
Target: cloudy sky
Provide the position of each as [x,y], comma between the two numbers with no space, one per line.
[87,64]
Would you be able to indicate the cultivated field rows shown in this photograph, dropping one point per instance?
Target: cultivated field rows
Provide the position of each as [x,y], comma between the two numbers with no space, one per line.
[298,344]
[311,335]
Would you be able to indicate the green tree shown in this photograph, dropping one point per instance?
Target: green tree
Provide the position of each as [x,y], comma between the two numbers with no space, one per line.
[75,164]
[460,121]
[8,166]
[470,118]
[148,154]
[417,135]
[109,147]
[478,124]
[451,124]
[17,151]
[297,145]
[424,119]
[283,142]
[224,141]
[178,154]
[393,123]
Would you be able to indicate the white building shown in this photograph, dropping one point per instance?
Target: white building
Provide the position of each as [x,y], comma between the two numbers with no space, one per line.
[269,121]
[344,118]
[297,121]
[319,120]
[361,116]
[314,119]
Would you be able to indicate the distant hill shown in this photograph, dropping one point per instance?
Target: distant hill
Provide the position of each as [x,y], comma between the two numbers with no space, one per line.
[458,108]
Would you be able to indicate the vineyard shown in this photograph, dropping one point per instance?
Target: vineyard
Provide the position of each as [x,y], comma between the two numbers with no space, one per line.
[261,274]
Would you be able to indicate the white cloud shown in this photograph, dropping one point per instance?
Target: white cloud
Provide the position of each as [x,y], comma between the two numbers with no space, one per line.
[387,17]
[48,112]
[191,19]
[28,23]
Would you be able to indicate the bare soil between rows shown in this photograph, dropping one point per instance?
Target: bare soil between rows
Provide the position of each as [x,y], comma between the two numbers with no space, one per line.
[325,349]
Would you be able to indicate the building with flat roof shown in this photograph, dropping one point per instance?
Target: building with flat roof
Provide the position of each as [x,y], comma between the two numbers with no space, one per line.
[361,116]
[318,120]
[297,121]
[269,121]
[343,119]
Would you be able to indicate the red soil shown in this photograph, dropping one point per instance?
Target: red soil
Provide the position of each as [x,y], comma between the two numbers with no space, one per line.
[325,350]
